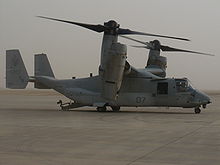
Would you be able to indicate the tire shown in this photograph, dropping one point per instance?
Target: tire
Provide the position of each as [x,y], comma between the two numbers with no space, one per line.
[101,109]
[115,108]
[197,110]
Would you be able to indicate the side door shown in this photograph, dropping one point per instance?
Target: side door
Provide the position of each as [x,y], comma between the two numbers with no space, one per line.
[162,93]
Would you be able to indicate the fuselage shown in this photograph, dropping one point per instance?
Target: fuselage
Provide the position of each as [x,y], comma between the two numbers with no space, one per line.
[135,92]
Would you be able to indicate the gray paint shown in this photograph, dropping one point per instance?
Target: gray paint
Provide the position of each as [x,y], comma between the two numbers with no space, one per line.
[16,73]
[42,66]
[139,88]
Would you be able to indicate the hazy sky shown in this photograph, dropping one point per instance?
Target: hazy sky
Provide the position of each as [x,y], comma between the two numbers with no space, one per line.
[74,51]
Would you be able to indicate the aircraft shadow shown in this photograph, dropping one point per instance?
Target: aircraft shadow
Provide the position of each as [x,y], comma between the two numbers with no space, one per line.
[95,111]
[133,112]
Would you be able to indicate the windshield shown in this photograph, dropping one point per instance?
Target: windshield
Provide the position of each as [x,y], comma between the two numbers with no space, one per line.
[182,85]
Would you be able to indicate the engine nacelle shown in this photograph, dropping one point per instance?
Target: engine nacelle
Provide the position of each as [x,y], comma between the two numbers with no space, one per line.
[113,70]
[155,60]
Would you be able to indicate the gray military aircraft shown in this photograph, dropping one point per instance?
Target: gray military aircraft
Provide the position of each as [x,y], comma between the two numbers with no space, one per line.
[118,83]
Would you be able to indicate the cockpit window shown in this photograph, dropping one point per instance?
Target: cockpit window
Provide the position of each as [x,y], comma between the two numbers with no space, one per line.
[182,85]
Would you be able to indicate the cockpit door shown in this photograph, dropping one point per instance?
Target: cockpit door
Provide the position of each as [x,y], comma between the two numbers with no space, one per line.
[183,92]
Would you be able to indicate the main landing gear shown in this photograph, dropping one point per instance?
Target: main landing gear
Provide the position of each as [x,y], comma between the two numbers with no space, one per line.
[103,109]
[115,108]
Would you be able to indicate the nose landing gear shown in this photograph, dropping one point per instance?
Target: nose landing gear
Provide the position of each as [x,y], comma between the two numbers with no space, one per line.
[197,110]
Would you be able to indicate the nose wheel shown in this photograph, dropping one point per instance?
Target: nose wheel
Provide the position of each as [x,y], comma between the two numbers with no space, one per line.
[197,110]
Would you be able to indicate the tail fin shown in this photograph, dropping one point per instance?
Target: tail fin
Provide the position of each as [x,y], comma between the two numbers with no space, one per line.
[42,66]
[16,73]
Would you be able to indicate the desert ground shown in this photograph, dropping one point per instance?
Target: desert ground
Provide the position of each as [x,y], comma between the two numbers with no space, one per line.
[34,132]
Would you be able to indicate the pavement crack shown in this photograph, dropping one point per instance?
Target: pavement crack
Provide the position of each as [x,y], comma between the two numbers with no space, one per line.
[159,148]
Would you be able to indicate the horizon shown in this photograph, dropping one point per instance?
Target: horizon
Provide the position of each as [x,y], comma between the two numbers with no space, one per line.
[74,51]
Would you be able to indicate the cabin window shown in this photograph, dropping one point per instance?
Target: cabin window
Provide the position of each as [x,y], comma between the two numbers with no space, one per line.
[162,88]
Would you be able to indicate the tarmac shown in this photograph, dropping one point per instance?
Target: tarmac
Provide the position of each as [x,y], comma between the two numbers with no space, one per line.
[34,132]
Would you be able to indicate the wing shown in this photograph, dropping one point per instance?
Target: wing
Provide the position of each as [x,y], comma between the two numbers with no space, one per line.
[147,73]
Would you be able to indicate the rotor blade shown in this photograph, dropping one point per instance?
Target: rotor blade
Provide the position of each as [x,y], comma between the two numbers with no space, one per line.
[145,43]
[98,28]
[139,46]
[167,48]
[128,31]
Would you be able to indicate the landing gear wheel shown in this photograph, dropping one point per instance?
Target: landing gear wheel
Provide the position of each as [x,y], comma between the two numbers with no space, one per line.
[197,110]
[101,109]
[115,108]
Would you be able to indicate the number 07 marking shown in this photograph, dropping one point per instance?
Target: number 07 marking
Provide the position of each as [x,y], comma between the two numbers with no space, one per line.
[140,99]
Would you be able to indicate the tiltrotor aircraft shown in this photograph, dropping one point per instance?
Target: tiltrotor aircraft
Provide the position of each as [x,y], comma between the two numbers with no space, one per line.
[118,84]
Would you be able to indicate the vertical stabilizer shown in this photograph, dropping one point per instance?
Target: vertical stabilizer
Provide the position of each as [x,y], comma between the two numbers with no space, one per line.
[42,66]
[16,73]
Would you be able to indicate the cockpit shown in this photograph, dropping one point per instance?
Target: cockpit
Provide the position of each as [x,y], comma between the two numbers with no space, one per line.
[182,85]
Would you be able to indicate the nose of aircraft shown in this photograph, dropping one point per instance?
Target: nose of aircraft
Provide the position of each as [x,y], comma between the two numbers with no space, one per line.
[202,98]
